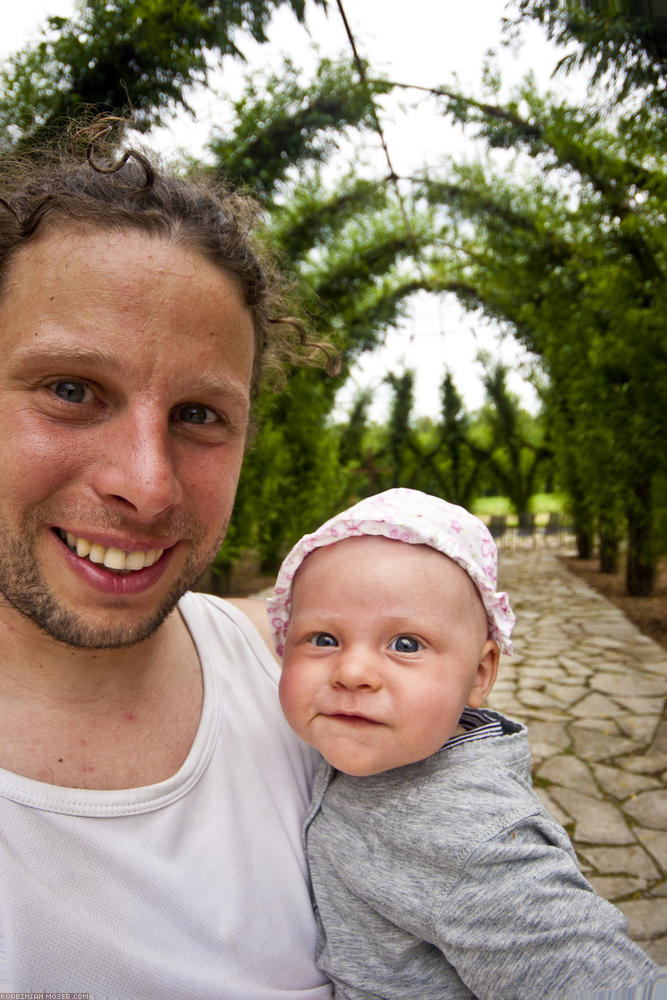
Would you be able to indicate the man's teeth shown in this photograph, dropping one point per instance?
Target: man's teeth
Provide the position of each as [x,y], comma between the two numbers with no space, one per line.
[116,559]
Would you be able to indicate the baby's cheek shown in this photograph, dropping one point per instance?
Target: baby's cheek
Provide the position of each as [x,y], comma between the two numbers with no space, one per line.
[290,693]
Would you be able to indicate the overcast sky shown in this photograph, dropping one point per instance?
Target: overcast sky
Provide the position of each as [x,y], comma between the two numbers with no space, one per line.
[423,42]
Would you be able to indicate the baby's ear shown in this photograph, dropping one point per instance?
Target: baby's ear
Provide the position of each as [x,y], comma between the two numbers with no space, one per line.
[487,670]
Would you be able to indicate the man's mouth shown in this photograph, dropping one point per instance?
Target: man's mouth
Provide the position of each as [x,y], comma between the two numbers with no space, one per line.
[117,560]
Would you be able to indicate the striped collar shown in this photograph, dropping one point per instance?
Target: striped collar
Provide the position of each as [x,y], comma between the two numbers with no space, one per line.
[479,725]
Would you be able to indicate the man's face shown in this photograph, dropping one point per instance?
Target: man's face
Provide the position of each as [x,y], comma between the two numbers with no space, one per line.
[385,646]
[125,366]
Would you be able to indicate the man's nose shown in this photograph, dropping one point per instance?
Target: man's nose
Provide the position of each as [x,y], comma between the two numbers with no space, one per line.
[357,668]
[138,466]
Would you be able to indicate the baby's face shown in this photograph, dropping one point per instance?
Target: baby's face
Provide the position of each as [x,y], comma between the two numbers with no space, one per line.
[386,644]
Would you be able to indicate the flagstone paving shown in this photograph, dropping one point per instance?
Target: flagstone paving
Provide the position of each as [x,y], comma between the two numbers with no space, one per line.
[592,690]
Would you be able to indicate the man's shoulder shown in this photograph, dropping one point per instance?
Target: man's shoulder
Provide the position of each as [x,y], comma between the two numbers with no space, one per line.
[254,608]
[224,615]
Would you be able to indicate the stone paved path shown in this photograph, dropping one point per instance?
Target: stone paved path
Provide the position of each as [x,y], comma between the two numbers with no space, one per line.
[592,691]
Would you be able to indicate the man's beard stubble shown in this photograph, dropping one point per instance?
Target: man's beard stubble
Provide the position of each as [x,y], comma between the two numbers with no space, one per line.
[22,586]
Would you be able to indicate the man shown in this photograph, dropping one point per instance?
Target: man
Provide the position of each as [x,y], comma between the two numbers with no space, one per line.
[151,796]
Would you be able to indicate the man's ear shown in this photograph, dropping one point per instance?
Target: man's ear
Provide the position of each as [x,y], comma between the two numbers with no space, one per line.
[487,670]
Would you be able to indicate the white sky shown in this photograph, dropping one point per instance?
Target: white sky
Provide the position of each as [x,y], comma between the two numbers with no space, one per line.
[424,42]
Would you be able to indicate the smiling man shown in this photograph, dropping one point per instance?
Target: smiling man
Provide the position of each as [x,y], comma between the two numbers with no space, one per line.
[151,796]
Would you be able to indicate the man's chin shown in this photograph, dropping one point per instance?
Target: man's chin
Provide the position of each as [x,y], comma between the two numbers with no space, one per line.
[74,631]
[109,628]
[78,626]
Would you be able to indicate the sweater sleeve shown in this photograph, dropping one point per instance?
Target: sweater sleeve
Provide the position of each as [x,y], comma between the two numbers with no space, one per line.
[522,921]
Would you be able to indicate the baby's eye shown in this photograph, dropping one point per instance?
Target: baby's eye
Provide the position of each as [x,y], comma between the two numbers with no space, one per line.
[323,639]
[405,644]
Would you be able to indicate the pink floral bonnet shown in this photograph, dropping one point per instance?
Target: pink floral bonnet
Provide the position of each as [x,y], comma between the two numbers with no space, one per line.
[418,519]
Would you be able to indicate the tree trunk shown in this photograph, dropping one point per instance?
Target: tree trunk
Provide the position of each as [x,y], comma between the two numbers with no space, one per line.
[585,539]
[584,529]
[609,544]
[583,522]
[609,553]
[642,556]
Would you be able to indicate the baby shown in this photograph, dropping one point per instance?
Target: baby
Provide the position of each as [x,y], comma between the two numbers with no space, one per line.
[436,871]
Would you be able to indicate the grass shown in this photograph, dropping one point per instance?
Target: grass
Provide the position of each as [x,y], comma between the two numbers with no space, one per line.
[540,504]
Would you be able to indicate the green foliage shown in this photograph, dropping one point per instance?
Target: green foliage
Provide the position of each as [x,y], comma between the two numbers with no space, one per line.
[343,240]
[515,447]
[279,123]
[343,243]
[353,433]
[458,457]
[400,446]
[567,247]
[119,54]
[541,504]
[291,479]
[624,46]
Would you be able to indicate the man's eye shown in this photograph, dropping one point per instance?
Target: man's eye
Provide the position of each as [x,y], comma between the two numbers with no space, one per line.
[70,391]
[405,644]
[323,639]
[194,413]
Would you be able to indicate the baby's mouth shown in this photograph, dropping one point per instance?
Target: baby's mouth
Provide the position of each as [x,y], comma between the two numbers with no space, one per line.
[116,560]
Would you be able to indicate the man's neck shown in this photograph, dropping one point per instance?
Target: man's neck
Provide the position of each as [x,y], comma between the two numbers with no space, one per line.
[108,718]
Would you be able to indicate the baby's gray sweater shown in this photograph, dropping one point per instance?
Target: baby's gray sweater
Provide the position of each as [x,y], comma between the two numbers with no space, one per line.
[449,879]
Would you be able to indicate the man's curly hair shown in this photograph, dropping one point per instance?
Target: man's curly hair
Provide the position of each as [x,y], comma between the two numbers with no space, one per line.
[88,182]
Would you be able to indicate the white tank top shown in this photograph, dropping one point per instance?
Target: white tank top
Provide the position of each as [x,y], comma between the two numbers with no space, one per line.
[194,888]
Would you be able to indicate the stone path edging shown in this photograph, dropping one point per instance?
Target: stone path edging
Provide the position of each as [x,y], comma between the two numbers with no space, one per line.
[592,690]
